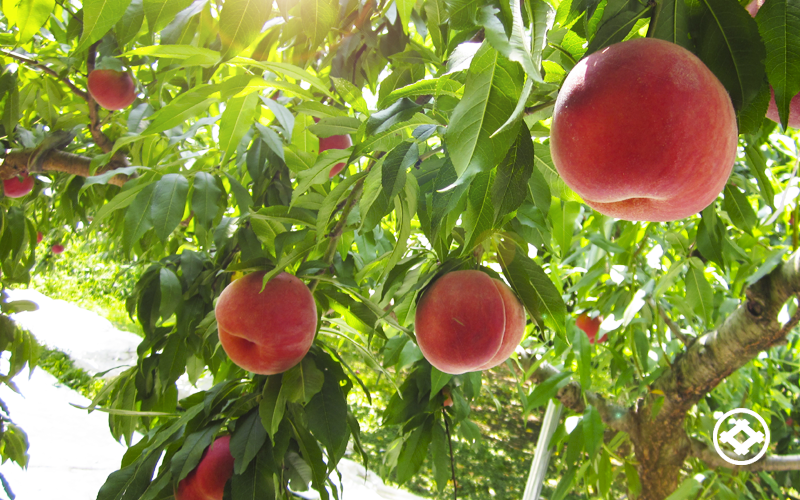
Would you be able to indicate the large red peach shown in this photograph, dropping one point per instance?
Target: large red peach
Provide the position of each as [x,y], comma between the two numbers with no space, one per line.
[17,187]
[267,331]
[207,480]
[112,89]
[642,130]
[794,104]
[467,321]
[591,326]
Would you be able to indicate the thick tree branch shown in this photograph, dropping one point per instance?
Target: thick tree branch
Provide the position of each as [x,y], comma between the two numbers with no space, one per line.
[16,163]
[752,328]
[36,64]
[766,463]
[572,396]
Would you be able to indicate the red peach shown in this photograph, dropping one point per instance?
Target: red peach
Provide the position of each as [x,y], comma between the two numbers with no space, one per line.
[267,331]
[467,321]
[591,326]
[39,237]
[643,130]
[19,186]
[57,249]
[207,481]
[112,89]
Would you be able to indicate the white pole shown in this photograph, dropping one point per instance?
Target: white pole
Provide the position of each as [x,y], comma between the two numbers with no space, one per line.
[541,456]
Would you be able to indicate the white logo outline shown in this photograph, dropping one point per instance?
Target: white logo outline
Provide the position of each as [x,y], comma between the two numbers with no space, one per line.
[742,426]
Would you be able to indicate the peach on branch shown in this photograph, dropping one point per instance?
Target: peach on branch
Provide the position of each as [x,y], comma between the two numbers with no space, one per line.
[112,89]
[207,480]
[467,321]
[334,142]
[266,331]
[642,130]
[57,248]
[19,186]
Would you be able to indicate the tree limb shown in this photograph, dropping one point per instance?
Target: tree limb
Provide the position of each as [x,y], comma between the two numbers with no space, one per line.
[766,463]
[16,163]
[750,329]
[572,396]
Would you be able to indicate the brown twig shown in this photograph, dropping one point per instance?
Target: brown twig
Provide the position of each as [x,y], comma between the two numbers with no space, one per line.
[36,64]
[673,327]
[452,456]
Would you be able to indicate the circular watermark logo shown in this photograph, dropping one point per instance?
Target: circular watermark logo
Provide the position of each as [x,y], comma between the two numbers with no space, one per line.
[742,426]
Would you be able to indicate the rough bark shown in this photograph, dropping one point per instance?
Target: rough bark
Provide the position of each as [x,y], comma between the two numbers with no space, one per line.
[16,163]
[660,442]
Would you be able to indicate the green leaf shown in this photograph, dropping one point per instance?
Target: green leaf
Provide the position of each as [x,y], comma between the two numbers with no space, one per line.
[205,198]
[99,16]
[29,16]
[632,476]
[327,411]
[198,55]
[121,200]
[336,196]
[302,381]
[511,184]
[272,406]
[257,480]
[160,13]
[285,69]
[240,23]
[438,380]
[137,218]
[172,361]
[689,488]
[544,162]
[312,455]
[247,440]
[169,203]
[243,198]
[729,44]
[619,17]
[739,209]
[758,166]
[414,451]
[670,23]
[539,295]
[711,236]
[187,458]
[563,216]
[436,16]
[351,94]
[479,217]
[236,120]
[319,17]
[699,293]
[130,481]
[779,25]
[436,87]
[546,390]
[440,451]
[592,430]
[171,292]
[583,352]
[178,112]
[493,87]
[337,125]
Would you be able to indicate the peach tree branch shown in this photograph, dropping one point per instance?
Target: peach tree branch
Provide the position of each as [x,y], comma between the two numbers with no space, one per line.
[766,463]
[36,64]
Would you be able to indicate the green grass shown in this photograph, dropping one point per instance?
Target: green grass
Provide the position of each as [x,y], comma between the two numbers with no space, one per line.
[62,367]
